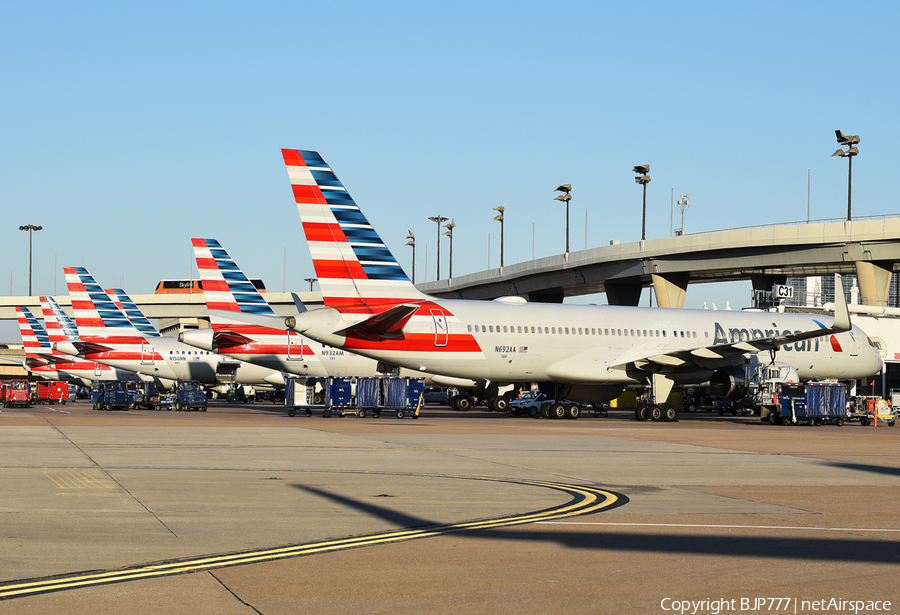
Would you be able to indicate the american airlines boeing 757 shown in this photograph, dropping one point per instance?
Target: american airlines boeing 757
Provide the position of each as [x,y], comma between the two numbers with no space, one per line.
[590,353]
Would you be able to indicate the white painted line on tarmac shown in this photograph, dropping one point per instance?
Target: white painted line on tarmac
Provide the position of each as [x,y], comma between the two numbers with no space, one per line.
[746,527]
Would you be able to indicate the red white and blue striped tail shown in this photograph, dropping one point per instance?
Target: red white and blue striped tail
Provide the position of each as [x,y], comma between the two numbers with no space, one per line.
[34,337]
[132,311]
[356,270]
[224,284]
[96,315]
[59,326]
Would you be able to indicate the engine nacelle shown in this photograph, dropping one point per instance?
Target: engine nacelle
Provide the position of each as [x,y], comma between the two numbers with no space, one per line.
[735,383]
[198,338]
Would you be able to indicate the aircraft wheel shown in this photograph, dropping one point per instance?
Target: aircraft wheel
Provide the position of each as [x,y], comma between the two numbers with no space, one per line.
[573,411]
[545,410]
[292,412]
[655,412]
[400,414]
[640,413]
[557,410]
[464,403]
[669,414]
[499,404]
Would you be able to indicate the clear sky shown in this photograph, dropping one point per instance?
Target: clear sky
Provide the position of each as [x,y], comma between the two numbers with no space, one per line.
[129,128]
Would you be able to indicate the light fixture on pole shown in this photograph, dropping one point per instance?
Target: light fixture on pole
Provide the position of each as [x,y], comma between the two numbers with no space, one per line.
[30,228]
[565,197]
[440,220]
[311,282]
[644,179]
[449,226]
[412,242]
[684,202]
[499,218]
[852,141]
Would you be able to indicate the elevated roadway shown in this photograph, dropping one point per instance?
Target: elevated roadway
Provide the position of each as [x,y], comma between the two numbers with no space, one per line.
[765,255]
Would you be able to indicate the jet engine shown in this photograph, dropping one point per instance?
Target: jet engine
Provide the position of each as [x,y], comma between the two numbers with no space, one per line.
[736,383]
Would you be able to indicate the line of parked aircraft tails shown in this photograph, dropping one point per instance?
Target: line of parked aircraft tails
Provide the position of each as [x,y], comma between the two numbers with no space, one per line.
[376,321]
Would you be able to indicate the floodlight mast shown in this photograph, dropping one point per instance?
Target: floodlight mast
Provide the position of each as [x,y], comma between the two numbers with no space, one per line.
[440,220]
[412,242]
[643,180]
[565,197]
[449,226]
[499,218]
[852,141]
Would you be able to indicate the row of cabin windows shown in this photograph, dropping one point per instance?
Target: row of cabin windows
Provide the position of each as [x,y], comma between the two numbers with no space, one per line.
[580,331]
[171,352]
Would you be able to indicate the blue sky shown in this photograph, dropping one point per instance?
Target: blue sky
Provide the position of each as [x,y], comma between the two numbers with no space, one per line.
[130,128]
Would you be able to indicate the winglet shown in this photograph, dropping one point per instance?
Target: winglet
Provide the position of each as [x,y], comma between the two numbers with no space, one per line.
[841,313]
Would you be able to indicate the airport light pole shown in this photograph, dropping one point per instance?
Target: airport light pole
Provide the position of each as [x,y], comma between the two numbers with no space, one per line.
[499,218]
[565,197]
[684,202]
[644,179]
[412,242]
[449,226]
[852,141]
[30,228]
[311,282]
[439,220]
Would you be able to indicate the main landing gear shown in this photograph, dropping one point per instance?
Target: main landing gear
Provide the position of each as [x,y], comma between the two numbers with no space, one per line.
[655,412]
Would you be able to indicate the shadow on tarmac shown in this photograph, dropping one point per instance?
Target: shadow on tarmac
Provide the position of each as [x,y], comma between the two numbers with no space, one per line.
[776,547]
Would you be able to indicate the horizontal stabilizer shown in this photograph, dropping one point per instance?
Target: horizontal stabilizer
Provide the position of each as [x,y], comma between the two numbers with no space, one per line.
[224,338]
[389,323]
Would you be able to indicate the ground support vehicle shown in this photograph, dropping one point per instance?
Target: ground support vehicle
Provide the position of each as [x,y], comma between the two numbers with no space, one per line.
[111,395]
[866,409]
[375,395]
[144,395]
[15,393]
[52,392]
[189,395]
[307,394]
[563,409]
[529,403]
[811,403]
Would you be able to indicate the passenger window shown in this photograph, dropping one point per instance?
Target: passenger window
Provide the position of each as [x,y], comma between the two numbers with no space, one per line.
[470,328]
[567,330]
[532,329]
[492,328]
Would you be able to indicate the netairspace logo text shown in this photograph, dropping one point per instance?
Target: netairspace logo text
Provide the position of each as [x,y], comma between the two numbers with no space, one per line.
[773,605]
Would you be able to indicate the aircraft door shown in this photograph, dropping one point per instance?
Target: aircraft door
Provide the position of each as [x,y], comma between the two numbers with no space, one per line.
[147,353]
[441,333]
[294,346]
[98,371]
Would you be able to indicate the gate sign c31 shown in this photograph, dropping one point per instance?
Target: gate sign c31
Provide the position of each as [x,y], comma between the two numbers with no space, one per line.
[780,291]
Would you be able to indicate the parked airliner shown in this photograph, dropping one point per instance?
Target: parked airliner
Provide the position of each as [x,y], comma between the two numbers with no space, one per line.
[590,352]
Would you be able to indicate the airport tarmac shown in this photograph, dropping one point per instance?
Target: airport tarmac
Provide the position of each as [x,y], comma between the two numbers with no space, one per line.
[242,509]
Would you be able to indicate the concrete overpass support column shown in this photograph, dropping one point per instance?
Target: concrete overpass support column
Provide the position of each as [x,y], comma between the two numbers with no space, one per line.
[670,289]
[874,281]
[623,293]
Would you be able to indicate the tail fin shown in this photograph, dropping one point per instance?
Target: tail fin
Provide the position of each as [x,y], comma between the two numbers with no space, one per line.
[224,284]
[356,270]
[132,311]
[34,337]
[96,315]
[59,326]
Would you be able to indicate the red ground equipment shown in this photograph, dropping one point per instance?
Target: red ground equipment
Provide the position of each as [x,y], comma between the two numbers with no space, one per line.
[52,392]
[15,393]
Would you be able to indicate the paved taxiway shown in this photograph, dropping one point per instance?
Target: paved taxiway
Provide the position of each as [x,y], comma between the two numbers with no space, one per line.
[707,508]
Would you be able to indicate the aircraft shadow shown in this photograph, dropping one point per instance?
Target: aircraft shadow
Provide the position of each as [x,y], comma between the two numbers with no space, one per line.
[776,547]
